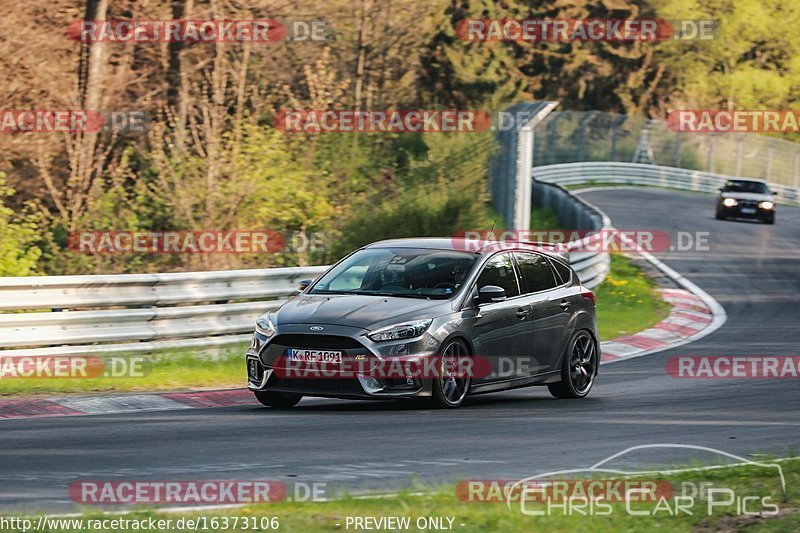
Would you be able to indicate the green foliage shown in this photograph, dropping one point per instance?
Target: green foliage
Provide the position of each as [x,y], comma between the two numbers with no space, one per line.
[19,234]
[752,62]
[440,195]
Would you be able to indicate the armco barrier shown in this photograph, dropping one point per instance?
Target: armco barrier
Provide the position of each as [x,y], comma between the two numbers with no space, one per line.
[138,312]
[574,213]
[567,174]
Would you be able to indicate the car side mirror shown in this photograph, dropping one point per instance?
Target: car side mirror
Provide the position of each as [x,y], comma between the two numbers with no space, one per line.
[721,190]
[774,193]
[303,284]
[490,294]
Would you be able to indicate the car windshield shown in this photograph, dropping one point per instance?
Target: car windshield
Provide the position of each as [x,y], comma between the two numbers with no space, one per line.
[746,186]
[404,272]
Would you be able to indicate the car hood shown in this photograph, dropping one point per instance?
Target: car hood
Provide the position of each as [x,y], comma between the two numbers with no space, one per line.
[360,311]
[749,196]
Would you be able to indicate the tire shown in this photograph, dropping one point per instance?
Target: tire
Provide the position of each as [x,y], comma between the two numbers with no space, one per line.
[578,369]
[770,220]
[719,216]
[277,400]
[449,391]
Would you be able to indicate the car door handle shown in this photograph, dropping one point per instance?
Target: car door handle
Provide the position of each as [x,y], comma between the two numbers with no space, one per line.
[522,313]
[564,305]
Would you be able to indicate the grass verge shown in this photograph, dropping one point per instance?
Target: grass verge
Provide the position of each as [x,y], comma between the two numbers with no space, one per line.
[627,300]
[754,489]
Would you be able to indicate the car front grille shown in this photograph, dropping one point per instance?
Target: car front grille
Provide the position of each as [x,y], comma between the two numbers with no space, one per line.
[318,342]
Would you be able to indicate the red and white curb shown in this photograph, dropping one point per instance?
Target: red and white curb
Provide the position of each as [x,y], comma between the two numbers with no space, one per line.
[124,403]
[689,316]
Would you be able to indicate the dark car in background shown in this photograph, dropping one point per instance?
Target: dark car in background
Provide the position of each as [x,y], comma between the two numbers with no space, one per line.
[517,309]
[746,199]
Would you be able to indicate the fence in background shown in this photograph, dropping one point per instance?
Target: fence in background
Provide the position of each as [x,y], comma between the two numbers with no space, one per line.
[582,136]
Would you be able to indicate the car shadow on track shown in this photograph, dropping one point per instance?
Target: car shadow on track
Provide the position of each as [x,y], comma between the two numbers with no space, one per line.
[491,401]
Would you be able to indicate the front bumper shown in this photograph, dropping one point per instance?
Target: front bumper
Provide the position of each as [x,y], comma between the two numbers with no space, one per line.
[747,211]
[267,370]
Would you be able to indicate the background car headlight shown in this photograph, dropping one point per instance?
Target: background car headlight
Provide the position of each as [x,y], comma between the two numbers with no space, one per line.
[729,202]
[264,325]
[766,205]
[400,331]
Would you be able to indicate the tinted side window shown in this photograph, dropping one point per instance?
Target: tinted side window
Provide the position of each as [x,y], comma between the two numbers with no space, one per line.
[499,271]
[563,271]
[536,272]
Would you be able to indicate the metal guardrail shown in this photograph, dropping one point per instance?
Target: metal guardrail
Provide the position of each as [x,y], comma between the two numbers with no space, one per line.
[128,313]
[575,213]
[138,312]
[567,174]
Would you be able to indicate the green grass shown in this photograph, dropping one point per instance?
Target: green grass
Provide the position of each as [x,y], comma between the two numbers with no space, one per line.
[627,300]
[162,371]
[750,481]
[544,220]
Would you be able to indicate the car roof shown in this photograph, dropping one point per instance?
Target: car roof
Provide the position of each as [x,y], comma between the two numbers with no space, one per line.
[747,180]
[477,246]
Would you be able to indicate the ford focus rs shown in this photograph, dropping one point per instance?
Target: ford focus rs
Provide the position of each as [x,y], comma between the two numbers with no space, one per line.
[432,318]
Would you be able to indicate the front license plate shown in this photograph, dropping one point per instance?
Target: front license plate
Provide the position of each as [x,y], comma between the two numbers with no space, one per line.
[748,211]
[314,356]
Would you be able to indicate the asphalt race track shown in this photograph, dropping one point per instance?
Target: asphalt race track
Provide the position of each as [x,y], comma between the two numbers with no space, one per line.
[751,269]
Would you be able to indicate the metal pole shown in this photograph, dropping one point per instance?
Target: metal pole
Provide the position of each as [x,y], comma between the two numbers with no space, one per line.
[522,191]
[584,123]
[710,155]
[768,170]
[739,141]
[615,125]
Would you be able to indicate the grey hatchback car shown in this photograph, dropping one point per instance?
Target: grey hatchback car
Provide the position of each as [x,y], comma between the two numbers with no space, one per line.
[435,318]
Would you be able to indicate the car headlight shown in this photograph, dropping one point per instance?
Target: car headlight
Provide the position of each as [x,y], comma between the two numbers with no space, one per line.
[264,325]
[400,331]
[766,205]
[729,202]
